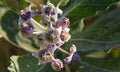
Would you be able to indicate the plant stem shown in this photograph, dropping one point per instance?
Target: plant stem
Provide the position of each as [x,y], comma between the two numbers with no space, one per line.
[37,32]
[64,51]
[59,3]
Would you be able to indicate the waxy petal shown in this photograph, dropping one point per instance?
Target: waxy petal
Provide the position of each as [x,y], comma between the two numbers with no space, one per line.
[59,11]
[72,51]
[57,65]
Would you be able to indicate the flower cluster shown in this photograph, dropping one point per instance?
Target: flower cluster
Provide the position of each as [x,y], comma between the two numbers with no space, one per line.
[55,35]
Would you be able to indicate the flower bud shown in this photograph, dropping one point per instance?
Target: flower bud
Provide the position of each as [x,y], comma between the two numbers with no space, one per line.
[65,36]
[72,48]
[68,59]
[72,51]
[57,64]
[76,56]
[64,22]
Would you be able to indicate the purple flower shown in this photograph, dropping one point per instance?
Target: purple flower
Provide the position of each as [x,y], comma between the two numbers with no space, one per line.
[27,31]
[50,11]
[26,15]
[41,36]
[43,55]
[76,56]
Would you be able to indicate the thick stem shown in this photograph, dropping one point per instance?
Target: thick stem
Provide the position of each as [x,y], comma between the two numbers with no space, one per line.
[64,51]
[37,32]
[60,3]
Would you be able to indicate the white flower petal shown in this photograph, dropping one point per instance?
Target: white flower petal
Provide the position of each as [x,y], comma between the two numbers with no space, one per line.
[68,38]
[57,64]
[73,48]
[67,29]
[59,30]
[59,10]
[55,17]
[68,59]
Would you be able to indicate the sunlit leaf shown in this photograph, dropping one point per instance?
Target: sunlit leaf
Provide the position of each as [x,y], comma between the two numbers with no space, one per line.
[115,52]
[97,54]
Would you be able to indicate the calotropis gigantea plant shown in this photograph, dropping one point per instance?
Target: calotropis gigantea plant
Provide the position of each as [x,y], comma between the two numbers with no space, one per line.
[55,35]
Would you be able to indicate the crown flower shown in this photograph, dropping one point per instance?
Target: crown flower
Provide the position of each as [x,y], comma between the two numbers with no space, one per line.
[55,34]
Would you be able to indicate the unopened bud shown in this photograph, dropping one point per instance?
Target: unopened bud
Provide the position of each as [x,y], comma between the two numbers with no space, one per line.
[57,65]
[64,22]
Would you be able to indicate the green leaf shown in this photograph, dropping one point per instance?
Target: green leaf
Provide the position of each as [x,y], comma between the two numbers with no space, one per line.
[27,63]
[15,5]
[106,64]
[6,50]
[115,51]
[29,44]
[101,35]
[75,10]
[97,54]
[9,29]
[8,24]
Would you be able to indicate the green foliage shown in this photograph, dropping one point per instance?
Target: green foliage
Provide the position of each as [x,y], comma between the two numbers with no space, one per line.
[78,9]
[15,5]
[102,34]
[26,63]
[107,64]
[95,25]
